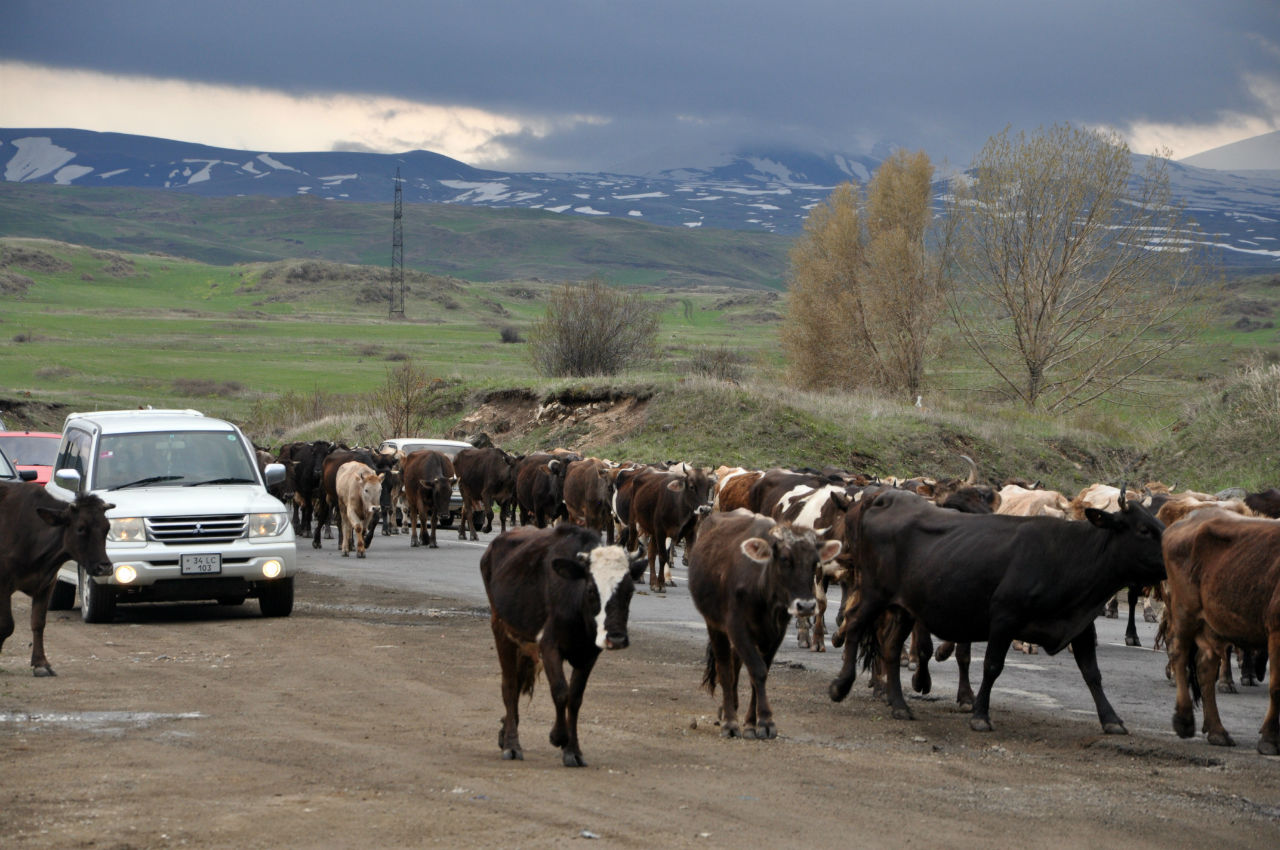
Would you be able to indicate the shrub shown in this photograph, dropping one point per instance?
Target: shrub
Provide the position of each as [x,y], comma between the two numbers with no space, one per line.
[720,363]
[510,334]
[590,329]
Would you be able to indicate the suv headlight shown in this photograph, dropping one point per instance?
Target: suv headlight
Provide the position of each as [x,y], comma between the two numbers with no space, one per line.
[127,529]
[267,525]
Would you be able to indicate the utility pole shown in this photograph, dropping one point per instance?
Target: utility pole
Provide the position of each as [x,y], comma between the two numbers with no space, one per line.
[397,256]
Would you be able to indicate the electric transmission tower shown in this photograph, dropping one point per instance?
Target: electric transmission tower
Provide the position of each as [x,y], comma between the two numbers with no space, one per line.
[397,256]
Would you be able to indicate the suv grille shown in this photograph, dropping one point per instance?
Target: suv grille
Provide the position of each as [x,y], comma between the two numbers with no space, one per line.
[182,530]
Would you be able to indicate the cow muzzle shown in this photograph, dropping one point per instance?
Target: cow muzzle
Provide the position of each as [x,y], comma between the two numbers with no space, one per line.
[616,640]
[101,568]
[803,607]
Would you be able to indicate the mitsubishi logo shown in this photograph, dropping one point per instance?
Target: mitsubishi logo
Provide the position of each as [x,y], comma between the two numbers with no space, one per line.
[199,529]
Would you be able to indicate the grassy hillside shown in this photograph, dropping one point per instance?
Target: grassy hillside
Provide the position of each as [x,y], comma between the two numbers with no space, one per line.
[290,347]
[464,242]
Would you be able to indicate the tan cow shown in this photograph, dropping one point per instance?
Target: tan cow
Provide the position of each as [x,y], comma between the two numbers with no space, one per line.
[1016,500]
[359,490]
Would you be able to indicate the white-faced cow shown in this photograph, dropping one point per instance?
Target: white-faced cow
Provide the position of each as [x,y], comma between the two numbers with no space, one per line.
[748,575]
[359,490]
[38,533]
[991,578]
[555,595]
[1224,587]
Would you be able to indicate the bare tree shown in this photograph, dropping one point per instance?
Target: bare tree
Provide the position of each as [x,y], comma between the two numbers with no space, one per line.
[1071,273]
[593,329]
[866,288]
[399,406]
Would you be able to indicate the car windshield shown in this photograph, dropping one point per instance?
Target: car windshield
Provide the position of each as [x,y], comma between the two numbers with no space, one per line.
[30,451]
[172,459]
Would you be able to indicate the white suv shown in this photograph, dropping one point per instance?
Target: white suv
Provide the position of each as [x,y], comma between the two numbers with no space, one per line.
[192,516]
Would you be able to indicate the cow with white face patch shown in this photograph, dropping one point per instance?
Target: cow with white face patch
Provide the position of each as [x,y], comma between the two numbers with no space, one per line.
[748,575]
[555,595]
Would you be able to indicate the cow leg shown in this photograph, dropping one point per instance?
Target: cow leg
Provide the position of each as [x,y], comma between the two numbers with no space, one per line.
[921,681]
[1247,661]
[561,731]
[6,614]
[39,615]
[1131,630]
[516,668]
[1208,663]
[1084,647]
[820,588]
[901,625]
[668,578]
[358,533]
[655,563]
[722,669]
[759,719]
[992,666]
[1269,734]
[855,623]
[571,754]
[1182,649]
[1226,681]
[434,519]
[964,691]
[321,519]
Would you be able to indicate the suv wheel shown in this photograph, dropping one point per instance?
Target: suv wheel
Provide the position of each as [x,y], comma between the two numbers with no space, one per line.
[275,598]
[97,601]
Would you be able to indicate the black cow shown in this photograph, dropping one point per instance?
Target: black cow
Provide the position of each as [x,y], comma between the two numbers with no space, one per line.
[748,575]
[486,476]
[428,486]
[991,578]
[555,595]
[540,487]
[38,533]
[307,462]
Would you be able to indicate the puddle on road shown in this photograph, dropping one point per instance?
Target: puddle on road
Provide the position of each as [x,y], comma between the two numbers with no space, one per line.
[92,721]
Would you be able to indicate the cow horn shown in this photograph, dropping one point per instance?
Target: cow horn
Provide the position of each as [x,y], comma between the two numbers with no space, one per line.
[973,471]
[1124,485]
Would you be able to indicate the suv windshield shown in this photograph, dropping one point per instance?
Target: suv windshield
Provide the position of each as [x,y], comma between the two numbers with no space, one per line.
[172,459]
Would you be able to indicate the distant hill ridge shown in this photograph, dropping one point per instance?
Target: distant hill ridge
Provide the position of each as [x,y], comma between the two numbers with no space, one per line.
[766,191]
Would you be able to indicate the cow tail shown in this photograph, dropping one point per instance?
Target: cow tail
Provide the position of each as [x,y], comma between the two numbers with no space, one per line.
[527,669]
[709,674]
[1193,678]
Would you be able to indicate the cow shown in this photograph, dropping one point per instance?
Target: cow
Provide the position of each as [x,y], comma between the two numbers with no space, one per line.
[748,575]
[667,506]
[822,510]
[38,533]
[733,484]
[325,504]
[1223,587]
[540,487]
[486,476]
[625,482]
[588,495]
[358,489]
[429,478]
[991,578]
[307,462]
[1105,497]
[1016,500]
[1264,503]
[555,595]
[391,502]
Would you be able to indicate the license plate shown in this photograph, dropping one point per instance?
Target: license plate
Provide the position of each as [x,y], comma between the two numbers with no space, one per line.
[200,564]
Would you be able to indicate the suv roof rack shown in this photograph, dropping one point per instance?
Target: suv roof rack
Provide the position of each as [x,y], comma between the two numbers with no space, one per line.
[140,411]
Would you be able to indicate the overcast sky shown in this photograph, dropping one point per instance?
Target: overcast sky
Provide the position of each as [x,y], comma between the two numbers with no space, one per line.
[559,85]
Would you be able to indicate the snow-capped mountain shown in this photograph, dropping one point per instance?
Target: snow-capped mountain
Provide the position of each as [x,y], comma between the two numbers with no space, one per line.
[769,190]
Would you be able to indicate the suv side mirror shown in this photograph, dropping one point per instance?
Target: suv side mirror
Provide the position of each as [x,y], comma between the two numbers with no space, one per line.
[27,475]
[68,479]
[274,474]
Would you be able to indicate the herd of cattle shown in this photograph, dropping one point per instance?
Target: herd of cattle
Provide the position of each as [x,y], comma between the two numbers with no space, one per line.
[1014,566]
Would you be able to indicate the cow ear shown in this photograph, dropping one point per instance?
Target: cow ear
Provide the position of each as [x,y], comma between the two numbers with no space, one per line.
[553,465]
[53,516]
[676,485]
[829,551]
[1100,518]
[382,477]
[843,500]
[757,549]
[571,569]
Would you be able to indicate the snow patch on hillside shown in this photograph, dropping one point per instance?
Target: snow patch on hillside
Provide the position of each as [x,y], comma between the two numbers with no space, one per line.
[65,176]
[36,157]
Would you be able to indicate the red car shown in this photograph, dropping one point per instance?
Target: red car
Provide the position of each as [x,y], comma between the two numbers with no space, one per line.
[35,450]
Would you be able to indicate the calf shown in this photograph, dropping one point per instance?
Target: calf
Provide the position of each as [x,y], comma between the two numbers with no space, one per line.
[667,506]
[1223,587]
[748,575]
[991,578]
[38,533]
[555,595]
[486,476]
[359,490]
[429,478]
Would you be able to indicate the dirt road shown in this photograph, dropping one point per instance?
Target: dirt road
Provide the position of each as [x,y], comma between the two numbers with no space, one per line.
[370,717]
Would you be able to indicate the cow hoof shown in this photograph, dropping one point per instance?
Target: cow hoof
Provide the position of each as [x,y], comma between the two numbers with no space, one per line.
[730,730]
[346,554]
[1227,688]
[1221,739]
[1132,640]
[513,755]
[965,705]
[803,641]
[902,712]
[839,689]
[979,724]
[837,640]
[766,731]
[360,555]
[1268,747]
[1185,727]
[414,543]
[818,647]
[922,682]
[1150,617]
[572,759]
[315,544]
[43,671]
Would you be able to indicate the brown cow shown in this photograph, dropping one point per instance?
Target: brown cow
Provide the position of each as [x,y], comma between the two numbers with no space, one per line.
[667,506]
[555,595]
[540,486]
[748,575]
[429,478]
[1265,503]
[733,484]
[38,533]
[1223,587]
[359,489]
[486,476]
[588,495]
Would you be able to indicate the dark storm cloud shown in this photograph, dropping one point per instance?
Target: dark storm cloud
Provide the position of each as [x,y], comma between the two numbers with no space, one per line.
[940,75]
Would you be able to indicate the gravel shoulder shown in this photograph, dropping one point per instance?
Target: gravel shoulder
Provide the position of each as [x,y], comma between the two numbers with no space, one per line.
[370,718]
